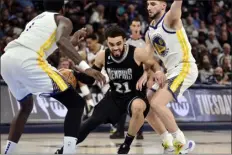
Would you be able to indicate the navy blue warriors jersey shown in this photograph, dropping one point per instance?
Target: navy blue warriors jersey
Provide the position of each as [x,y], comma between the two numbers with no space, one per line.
[123,73]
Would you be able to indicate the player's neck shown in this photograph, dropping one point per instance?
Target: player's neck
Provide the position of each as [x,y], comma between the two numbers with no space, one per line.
[96,48]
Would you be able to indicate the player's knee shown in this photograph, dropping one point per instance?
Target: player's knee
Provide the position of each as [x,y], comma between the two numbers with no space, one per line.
[138,107]
[154,104]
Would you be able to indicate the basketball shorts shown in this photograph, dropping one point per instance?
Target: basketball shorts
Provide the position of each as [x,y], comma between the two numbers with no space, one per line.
[113,106]
[26,73]
[179,82]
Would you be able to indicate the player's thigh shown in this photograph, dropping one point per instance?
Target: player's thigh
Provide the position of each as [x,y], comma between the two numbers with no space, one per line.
[10,74]
[138,104]
[106,109]
[190,79]
[40,77]
[162,97]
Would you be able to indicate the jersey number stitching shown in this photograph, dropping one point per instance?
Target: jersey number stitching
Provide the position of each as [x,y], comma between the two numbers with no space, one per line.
[120,85]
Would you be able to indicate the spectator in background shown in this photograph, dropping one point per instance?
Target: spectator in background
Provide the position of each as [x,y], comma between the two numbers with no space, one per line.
[196,18]
[65,63]
[202,38]
[226,66]
[195,49]
[212,41]
[215,56]
[203,27]
[226,53]
[206,71]
[98,15]
[189,27]
[219,77]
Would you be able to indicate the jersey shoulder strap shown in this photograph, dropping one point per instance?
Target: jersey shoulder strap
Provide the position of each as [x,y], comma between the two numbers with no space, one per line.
[107,54]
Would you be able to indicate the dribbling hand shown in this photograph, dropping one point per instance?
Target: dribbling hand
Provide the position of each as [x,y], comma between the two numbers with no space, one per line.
[160,78]
[98,76]
[142,81]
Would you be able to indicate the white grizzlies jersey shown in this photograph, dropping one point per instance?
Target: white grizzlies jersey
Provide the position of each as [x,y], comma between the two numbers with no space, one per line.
[136,43]
[172,47]
[90,55]
[39,35]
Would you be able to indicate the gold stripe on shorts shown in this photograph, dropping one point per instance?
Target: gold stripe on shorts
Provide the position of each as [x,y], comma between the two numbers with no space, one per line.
[186,66]
[44,65]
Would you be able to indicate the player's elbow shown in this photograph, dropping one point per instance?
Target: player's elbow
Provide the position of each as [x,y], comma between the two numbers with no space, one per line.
[60,41]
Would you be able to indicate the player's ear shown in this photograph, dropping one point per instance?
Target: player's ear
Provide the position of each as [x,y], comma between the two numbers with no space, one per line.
[124,40]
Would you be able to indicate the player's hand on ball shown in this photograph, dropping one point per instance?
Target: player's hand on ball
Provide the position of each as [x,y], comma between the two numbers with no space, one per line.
[160,78]
[96,75]
[142,81]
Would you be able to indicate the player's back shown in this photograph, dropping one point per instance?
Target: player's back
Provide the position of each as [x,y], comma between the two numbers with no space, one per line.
[38,35]
[123,73]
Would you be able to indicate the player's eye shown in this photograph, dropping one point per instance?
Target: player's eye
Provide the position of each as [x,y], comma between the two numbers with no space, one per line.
[119,43]
[111,44]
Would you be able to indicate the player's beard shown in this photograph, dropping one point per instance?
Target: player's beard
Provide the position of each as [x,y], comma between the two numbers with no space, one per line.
[155,16]
[121,55]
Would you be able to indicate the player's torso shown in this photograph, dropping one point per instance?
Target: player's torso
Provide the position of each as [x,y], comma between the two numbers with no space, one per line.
[124,73]
[172,47]
[39,35]
[90,56]
[137,43]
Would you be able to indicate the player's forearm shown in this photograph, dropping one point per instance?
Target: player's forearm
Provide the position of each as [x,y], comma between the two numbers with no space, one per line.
[65,45]
[74,41]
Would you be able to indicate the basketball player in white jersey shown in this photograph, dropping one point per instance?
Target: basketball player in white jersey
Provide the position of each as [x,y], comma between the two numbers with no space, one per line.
[167,39]
[26,71]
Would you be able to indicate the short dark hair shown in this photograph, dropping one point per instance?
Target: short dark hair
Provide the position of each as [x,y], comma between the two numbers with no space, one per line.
[92,36]
[115,31]
[135,20]
[53,5]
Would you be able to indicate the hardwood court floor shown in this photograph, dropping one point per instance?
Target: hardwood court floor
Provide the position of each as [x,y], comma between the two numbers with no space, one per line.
[216,142]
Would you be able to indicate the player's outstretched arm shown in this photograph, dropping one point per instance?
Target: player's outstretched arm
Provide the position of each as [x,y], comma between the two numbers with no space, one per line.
[64,30]
[174,14]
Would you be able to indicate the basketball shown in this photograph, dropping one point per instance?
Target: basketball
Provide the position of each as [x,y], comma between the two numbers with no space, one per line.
[69,76]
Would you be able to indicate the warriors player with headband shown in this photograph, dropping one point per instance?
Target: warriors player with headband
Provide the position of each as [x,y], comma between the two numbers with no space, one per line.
[26,71]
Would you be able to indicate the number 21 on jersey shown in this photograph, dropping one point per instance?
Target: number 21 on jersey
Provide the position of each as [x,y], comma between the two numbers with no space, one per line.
[119,87]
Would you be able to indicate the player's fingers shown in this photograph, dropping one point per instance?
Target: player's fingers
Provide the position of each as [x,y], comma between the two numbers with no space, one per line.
[137,85]
[102,78]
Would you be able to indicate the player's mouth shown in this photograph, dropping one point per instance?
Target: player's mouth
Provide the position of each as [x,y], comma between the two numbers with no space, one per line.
[117,53]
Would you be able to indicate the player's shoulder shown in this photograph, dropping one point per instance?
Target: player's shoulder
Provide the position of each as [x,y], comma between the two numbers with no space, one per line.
[101,53]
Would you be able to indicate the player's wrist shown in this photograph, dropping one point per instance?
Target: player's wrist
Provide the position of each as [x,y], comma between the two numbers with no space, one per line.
[83,65]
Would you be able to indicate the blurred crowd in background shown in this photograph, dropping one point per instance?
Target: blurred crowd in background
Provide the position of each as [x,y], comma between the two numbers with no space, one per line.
[207,23]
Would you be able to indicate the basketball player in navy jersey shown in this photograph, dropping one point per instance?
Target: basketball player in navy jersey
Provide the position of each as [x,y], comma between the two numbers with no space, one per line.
[124,66]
